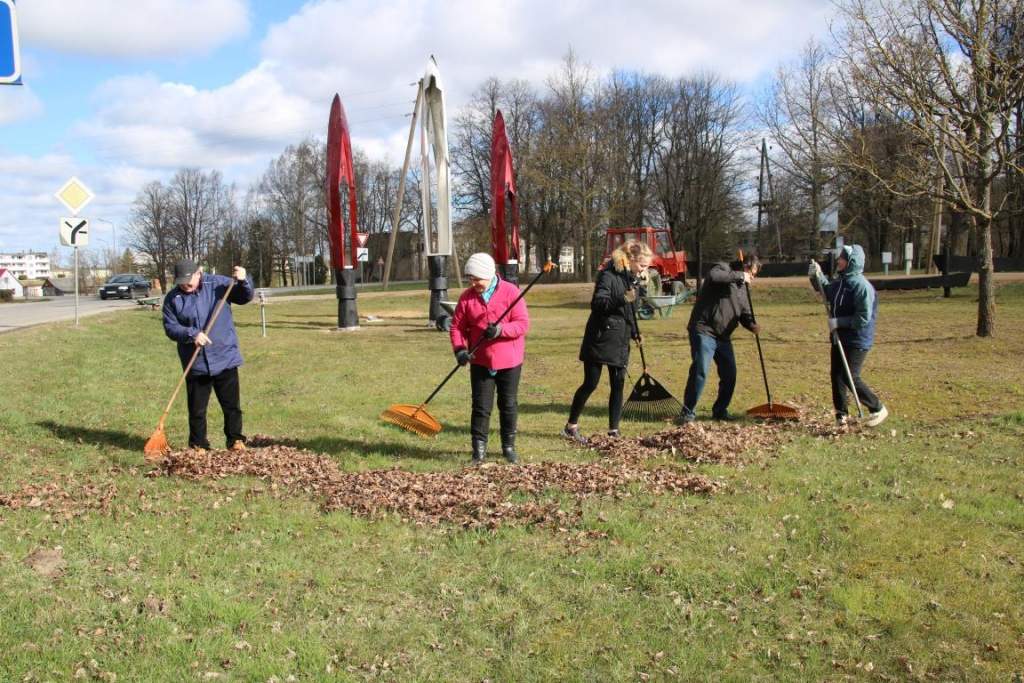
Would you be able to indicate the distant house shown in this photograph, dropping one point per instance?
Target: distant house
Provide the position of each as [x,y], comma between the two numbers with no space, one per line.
[8,281]
[33,288]
[58,286]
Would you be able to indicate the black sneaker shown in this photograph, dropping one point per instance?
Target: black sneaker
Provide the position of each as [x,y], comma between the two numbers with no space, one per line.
[725,417]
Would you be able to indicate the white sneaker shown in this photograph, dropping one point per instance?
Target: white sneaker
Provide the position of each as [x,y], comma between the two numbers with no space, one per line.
[842,420]
[875,419]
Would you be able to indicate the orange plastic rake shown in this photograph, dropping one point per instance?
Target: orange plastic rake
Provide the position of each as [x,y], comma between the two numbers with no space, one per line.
[769,410]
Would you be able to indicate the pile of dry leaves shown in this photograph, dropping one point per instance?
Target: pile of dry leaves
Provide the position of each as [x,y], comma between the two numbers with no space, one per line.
[62,496]
[725,443]
[473,497]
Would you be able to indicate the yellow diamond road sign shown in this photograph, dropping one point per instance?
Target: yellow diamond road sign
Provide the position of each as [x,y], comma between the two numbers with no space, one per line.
[74,195]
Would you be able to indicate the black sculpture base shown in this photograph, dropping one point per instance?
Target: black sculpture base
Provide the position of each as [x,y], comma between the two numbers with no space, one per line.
[510,272]
[348,315]
[438,284]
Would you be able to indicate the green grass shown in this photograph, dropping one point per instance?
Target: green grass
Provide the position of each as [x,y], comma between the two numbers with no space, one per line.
[825,561]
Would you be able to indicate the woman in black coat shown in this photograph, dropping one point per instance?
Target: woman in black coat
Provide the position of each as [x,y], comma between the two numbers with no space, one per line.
[611,325]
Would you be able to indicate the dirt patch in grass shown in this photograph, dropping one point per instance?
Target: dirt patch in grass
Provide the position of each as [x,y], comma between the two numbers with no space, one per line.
[62,496]
[475,497]
[47,562]
[720,443]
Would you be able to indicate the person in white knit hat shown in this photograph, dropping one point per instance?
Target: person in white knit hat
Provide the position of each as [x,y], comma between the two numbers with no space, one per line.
[497,362]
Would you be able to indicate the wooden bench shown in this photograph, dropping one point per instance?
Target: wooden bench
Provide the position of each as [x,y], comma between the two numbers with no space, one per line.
[152,301]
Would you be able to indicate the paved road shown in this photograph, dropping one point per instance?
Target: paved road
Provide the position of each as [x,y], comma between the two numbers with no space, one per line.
[58,308]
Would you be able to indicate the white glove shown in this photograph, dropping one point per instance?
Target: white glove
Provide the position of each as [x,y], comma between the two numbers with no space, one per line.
[747,277]
[202,340]
[813,269]
[239,273]
[833,324]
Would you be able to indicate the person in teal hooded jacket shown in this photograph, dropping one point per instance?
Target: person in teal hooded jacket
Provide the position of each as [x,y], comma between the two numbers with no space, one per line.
[854,311]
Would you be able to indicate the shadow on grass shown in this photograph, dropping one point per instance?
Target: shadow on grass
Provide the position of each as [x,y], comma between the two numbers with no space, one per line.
[596,408]
[336,445]
[291,326]
[581,305]
[96,437]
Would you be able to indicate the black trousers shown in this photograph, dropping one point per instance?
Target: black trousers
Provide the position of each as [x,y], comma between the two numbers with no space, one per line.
[484,384]
[591,378]
[226,386]
[840,385]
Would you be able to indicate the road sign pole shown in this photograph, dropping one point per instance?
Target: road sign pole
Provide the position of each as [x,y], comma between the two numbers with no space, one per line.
[76,286]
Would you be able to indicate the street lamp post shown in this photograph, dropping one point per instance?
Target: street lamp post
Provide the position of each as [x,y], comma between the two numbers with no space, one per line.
[113,227]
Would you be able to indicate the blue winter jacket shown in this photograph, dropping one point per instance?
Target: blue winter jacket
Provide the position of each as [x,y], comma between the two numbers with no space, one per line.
[852,301]
[186,315]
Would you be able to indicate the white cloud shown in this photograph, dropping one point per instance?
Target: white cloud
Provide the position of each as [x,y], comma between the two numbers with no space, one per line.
[17,103]
[30,212]
[370,51]
[161,124]
[139,28]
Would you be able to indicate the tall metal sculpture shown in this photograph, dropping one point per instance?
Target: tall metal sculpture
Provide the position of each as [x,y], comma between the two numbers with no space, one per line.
[504,244]
[343,243]
[437,238]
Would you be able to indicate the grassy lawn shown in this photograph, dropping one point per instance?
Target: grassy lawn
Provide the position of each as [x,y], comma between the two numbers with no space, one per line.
[892,557]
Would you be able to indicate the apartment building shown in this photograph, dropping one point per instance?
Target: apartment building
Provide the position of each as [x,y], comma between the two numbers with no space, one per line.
[26,264]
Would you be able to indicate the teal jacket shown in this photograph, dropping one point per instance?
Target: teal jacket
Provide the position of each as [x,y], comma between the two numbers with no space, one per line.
[852,300]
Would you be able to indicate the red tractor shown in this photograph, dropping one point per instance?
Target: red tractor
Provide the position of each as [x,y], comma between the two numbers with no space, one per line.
[669,263]
[666,284]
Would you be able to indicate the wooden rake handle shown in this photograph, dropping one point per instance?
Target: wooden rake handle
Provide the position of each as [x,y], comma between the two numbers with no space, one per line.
[195,353]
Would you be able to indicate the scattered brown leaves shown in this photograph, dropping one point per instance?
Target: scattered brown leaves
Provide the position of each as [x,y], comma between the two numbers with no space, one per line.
[475,497]
[64,496]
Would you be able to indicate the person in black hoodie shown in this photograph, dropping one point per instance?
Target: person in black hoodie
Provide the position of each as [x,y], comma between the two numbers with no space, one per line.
[721,306]
[611,325]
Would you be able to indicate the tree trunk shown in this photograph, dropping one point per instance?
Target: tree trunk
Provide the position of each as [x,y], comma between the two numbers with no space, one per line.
[986,281]
[700,263]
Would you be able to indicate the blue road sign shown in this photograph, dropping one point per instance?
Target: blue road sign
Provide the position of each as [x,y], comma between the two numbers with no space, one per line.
[10,54]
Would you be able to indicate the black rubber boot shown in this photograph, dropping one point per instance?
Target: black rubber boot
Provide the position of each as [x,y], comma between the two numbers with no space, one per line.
[479,451]
[508,448]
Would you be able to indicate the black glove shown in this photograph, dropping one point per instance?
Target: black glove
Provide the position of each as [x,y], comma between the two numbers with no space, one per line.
[462,356]
[492,331]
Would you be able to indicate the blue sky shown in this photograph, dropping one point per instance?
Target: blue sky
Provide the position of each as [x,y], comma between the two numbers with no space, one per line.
[122,93]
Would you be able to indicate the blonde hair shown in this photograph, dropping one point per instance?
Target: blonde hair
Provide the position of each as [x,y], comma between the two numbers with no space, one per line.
[630,250]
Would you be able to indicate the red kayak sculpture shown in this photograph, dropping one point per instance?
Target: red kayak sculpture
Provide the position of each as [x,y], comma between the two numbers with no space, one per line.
[504,244]
[340,170]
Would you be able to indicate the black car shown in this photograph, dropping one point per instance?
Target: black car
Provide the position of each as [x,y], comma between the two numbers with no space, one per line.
[125,286]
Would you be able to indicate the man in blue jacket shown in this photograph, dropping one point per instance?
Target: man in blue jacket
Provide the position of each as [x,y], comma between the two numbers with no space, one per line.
[187,308]
[854,310]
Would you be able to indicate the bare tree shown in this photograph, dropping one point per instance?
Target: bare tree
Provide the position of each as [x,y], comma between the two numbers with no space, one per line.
[798,112]
[196,210]
[698,179]
[149,228]
[951,72]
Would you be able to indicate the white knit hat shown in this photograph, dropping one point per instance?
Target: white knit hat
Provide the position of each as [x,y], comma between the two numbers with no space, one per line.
[480,266]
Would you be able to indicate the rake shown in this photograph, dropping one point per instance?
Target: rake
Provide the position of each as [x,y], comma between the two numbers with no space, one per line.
[769,410]
[156,447]
[834,336]
[415,418]
[649,401]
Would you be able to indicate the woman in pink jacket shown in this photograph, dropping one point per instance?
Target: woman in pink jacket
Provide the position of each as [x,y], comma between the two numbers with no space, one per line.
[498,361]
